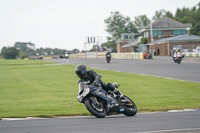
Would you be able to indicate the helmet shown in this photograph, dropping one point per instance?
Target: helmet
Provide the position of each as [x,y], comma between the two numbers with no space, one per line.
[81,71]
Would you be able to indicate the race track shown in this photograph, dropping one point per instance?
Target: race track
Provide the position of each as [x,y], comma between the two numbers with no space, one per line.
[188,70]
[175,121]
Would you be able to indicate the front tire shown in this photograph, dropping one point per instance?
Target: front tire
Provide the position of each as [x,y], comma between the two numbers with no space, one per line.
[95,110]
[130,109]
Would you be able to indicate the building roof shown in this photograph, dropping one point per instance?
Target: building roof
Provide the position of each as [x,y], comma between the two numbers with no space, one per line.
[166,22]
[135,43]
[131,44]
[180,38]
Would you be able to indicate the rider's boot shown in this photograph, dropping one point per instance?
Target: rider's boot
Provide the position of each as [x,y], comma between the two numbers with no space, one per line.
[117,92]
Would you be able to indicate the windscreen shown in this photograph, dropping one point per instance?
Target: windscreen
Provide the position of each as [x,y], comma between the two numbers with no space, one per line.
[82,85]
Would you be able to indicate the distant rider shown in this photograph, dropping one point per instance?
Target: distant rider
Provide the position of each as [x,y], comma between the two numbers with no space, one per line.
[108,55]
[95,79]
[178,54]
[173,53]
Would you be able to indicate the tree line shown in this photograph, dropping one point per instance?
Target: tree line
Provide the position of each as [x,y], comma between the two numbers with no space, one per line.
[26,49]
[116,23]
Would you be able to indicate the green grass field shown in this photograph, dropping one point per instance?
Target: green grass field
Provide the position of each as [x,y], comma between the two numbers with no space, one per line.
[30,88]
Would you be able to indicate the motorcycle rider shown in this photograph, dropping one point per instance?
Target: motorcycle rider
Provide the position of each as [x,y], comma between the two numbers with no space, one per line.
[108,54]
[173,53]
[93,78]
[179,55]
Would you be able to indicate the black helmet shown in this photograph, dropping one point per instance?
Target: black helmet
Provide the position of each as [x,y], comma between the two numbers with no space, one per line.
[81,71]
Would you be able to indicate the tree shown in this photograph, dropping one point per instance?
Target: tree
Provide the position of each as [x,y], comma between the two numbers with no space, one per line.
[9,52]
[23,55]
[186,15]
[183,15]
[75,51]
[94,48]
[144,40]
[159,14]
[26,47]
[117,24]
[110,45]
[141,21]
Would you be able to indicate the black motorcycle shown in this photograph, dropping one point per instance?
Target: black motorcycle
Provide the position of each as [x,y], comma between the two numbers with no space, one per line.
[178,60]
[108,58]
[178,57]
[101,103]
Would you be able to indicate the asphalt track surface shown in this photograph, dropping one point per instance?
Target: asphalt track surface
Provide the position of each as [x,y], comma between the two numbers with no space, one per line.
[188,70]
[179,121]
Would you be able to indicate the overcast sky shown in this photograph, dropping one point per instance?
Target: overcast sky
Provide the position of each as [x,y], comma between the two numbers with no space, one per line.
[66,23]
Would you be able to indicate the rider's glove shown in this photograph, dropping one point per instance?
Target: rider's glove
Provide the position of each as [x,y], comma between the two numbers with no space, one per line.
[96,83]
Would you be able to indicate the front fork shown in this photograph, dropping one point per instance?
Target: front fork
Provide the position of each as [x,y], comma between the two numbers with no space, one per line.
[101,94]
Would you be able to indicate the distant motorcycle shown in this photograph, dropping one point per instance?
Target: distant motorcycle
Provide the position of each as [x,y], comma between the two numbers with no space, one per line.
[108,57]
[101,103]
[177,58]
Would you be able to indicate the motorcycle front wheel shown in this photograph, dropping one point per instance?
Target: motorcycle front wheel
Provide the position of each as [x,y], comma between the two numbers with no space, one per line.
[130,108]
[96,110]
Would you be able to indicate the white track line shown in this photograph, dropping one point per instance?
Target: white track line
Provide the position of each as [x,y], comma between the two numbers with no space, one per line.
[172,130]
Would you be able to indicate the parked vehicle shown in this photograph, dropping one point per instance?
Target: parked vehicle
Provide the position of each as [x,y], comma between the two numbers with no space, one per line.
[101,103]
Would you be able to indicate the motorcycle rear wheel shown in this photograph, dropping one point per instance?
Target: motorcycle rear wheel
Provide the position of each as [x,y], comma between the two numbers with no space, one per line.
[130,109]
[99,112]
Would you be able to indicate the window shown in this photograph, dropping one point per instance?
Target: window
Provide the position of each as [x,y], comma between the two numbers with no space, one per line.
[177,32]
[157,33]
[125,36]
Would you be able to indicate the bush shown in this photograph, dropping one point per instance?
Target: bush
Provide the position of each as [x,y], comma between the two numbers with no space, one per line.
[23,55]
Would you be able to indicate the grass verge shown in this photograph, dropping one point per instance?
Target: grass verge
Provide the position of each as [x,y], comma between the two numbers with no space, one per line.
[45,90]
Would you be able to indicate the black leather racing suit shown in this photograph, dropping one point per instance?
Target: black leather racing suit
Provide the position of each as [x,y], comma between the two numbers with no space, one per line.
[92,76]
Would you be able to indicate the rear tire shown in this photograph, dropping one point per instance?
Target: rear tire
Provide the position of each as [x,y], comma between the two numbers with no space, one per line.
[130,110]
[93,110]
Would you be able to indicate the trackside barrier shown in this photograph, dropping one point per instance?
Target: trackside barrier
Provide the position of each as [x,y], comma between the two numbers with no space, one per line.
[101,54]
[73,55]
[81,55]
[192,54]
[47,58]
[131,56]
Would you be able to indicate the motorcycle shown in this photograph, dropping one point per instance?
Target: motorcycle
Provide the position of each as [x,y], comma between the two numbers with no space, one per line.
[178,58]
[108,58]
[101,103]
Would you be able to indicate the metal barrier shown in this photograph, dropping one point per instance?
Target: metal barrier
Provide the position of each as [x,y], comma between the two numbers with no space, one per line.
[192,54]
